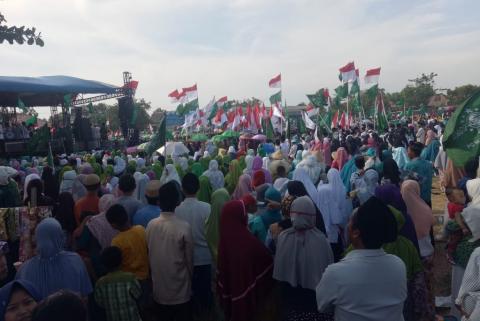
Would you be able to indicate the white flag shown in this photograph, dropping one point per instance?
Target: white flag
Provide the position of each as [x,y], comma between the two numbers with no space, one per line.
[308,122]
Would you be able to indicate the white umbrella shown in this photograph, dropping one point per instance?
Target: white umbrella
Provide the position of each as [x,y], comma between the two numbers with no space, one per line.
[173,148]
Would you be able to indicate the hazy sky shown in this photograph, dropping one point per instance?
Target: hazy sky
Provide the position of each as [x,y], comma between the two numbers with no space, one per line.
[233,47]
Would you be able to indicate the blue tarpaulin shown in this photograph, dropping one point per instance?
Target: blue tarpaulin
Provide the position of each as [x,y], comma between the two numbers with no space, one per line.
[48,90]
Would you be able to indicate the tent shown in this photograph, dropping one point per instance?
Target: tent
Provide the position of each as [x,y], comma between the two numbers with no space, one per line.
[48,90]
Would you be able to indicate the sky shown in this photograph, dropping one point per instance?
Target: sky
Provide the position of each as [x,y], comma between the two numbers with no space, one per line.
[233,47]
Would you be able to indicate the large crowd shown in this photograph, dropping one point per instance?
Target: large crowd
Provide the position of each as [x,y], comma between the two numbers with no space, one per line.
[332,228]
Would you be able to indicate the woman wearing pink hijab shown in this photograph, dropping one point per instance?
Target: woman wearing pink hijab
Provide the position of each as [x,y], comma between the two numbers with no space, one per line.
[244,186]
[423,220]
[340,159]
[327,152]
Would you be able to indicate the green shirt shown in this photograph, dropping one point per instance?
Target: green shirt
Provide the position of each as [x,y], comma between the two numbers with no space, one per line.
[117,293]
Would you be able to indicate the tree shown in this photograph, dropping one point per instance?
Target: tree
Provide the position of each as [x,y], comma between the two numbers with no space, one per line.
[460,94]
[419,92]
[19,34]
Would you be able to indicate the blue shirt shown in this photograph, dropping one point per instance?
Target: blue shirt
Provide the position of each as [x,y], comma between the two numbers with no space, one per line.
[424,171]
[146,214]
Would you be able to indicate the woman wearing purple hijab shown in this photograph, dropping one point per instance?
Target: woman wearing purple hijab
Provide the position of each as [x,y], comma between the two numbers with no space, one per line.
[390,195]
[258,166]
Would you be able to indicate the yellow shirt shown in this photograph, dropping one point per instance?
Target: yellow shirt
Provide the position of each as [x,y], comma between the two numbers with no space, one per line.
[134,251]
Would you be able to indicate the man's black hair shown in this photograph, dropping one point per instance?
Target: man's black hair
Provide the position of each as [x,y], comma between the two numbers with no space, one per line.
[117,214]
[111,258]
[190,184]
[471,167]
[169,196]
[281,171]
[126,183]
[152,200]
[60,306]
[416,148]
[376,223]
[360,162]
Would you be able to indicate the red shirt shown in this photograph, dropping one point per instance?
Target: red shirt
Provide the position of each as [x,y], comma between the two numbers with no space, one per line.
[454,208]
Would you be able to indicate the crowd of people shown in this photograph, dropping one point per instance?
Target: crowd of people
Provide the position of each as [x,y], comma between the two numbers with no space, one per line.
[307,228]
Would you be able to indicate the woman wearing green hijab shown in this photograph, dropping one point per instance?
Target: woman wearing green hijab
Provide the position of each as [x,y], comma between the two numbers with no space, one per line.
[231,180]
[242,163]
[205,161]
[212,226]
[205,192]
[197,169]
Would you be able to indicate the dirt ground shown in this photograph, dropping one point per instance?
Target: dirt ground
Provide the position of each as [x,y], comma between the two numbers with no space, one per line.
[442,269]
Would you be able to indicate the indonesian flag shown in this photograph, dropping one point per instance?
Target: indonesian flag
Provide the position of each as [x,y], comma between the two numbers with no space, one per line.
[257,116]
[348,72]
[349,120]
[237,120]
[275,82]
[220,118]
[222,101]
[132,84]
[191,92]
[372,76]
[335,120]
[310,124]
[174,96]
[201,118]
[252,118]
[311,110]
[343,121]
[263,112]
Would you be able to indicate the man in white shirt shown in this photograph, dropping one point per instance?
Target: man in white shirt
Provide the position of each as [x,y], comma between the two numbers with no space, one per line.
[368,284]
[196,214]
[421,133]
[170,251]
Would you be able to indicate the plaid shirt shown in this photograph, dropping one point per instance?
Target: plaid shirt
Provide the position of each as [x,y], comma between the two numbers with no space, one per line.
[117,293]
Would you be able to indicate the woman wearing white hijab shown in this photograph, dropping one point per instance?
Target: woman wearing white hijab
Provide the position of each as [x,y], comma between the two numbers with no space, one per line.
[28,179]
[302,255]
[215,176]
[119,166]
[335,208]
[248,163]
[141,181]
[169,174]
[312,167]
[366,185]
[67,181]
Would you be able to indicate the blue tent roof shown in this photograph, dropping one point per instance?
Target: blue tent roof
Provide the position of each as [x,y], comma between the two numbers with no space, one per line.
[48,90]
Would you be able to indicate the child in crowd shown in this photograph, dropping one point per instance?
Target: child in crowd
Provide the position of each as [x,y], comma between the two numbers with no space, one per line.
[456,228]
[131,240]
[117,292]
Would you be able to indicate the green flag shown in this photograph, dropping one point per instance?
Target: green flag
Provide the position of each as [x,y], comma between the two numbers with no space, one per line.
[342,91]
[158,139]
[462,133]
[214,111]
[67,100]
[410,112]
[355,89]
[372,92]
[22,106]
[356,103]
[90,108]
[317,99]
[275,98]
[31,121]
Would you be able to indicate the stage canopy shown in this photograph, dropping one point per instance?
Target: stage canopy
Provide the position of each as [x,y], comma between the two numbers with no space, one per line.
[48,90]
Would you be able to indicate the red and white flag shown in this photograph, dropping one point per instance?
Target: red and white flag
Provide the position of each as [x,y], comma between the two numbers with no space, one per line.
[191,92]
[311,110]
[343,121]
[237,119]
[220,118]
[372,76]
[348,72]
[174,96]
[263,112]
[277,112]
[335,120]
[257,116]
[222,101]
[275,82]
[350,120]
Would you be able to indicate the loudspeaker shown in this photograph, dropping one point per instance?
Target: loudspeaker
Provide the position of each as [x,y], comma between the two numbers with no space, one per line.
[125,108]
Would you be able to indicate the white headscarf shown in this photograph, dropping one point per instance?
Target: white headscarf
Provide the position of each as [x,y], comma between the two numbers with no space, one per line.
[367,188]
[5,173]
[303,252]
[248,163]
[28,179]
[67,181]
[141,181]
[301,175]
[312,166]
[215,176]
[119,166]
[266,163]
[169,174]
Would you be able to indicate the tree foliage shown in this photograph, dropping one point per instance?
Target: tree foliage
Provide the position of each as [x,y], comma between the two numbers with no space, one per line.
[460,94]
[103,112]
[20,35]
